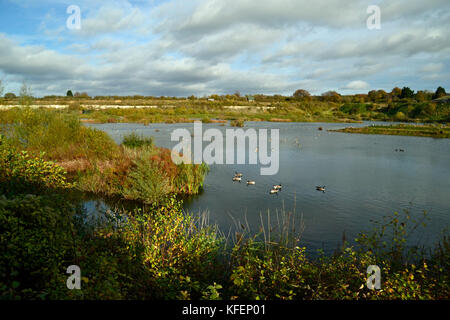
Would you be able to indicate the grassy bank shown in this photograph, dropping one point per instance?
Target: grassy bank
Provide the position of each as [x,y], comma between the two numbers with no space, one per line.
[135,170]
[434,131]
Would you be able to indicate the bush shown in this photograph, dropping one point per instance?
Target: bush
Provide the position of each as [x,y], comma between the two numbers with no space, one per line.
[20,172]
[237,123]
[146,182]
[400,116]
[134,140]
[35,240]
[354,108]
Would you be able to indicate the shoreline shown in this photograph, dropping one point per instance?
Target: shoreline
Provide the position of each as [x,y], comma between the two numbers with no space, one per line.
[425,131]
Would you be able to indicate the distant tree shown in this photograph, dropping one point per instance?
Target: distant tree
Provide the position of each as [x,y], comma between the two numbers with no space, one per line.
[10,95]
[301,93]
[237,94]
[331,96]
[420,95]
[359,98]
[440,92]
[396,92]
[407,93]
[85,95]
[69,93]
[373,95]
[382,95]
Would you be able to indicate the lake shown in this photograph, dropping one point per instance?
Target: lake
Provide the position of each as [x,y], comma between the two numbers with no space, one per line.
[365,179]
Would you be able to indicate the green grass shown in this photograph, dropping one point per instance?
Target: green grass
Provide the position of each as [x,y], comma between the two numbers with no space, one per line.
[434,131]
[60,135]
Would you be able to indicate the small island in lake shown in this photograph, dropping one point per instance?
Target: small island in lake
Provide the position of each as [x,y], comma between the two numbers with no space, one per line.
[434,131]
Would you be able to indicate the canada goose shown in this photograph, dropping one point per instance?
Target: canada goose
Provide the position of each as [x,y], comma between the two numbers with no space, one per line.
[319,188]
[277,187]
[274,191]
[237,179]
[250,182]
[239,175]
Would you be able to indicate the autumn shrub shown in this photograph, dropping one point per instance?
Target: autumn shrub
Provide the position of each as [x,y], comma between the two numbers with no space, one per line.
[146,182]
[19,171]
[271,271]
[134,140]
[177,250]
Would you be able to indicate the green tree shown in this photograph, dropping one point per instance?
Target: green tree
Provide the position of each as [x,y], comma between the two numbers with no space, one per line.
[421,96]
[10,95]
[440,92]
[373,95]
[69,93]
[396,92]
[382,95]
[407,93]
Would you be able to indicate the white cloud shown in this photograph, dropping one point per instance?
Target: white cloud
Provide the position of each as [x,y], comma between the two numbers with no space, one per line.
[432,67]
[356,85]
[216,46]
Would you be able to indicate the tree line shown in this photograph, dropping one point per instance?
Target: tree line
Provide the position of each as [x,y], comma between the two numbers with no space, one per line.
[300,94]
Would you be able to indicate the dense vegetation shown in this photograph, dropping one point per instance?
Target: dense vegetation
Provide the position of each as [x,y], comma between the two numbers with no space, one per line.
[160,252]
[135,170]
[397,105]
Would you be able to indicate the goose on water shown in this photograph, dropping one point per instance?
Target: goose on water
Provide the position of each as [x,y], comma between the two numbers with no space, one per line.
[319,188]
[250,182]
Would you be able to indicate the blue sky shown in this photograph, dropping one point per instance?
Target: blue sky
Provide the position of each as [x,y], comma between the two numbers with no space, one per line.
[203,47]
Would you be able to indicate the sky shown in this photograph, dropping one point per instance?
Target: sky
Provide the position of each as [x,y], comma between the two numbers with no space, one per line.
[203,47]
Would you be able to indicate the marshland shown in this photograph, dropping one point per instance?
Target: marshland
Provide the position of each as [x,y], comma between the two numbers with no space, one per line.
[97,188]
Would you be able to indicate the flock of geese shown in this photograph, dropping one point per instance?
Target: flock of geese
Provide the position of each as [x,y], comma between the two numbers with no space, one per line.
[275,189]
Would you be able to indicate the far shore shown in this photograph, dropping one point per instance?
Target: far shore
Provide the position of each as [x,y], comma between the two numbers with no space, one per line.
[433,131]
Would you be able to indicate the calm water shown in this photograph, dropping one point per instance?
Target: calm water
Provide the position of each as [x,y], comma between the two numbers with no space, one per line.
[365,179]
